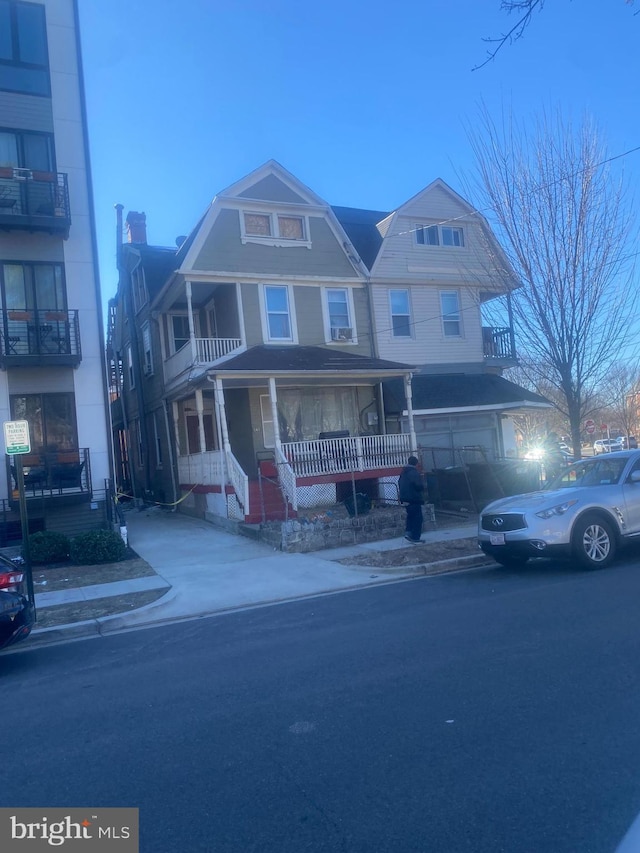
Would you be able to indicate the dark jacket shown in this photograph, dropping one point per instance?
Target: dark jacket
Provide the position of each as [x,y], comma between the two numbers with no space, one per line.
[411,486]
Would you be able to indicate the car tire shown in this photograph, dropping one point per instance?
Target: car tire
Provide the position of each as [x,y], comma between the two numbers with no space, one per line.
[594,542]
[510,561]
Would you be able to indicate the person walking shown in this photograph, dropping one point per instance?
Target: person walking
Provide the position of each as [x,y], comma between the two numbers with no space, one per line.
[411,492]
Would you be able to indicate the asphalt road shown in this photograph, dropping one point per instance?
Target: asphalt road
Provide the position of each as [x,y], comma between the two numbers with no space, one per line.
[488,711]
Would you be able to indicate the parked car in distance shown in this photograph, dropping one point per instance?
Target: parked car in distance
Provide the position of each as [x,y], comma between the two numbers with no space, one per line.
[17,615]
[586,513]
[629,442]
[606,445]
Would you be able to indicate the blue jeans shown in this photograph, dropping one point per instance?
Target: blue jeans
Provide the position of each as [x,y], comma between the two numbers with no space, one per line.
[414,521]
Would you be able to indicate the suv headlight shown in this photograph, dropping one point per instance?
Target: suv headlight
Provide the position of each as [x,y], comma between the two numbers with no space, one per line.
[560,509]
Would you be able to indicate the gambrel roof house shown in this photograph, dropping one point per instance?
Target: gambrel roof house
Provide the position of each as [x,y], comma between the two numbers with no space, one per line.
[262,343]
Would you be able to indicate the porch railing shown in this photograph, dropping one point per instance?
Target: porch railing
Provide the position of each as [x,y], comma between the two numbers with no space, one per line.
[207,350]
[354,453]
[287,478]
[203,469]
[239,481]
[211,349]
[49,474]
[497,342]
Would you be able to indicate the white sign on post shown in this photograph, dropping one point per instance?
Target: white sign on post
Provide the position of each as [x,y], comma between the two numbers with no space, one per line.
[16,437]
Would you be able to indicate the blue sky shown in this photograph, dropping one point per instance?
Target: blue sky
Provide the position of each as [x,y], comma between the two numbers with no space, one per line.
[365,102]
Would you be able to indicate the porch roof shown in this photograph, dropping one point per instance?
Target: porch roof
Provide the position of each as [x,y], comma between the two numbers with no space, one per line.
[446,392]
[301,360]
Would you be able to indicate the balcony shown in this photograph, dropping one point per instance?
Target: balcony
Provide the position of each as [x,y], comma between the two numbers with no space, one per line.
[39,338]
[64,475]
[498,347]
[34,201]
[201,352]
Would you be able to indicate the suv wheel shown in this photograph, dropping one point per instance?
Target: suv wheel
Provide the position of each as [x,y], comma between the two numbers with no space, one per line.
[594,542]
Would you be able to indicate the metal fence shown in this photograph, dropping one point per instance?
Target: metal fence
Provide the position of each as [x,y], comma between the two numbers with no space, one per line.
[99,513]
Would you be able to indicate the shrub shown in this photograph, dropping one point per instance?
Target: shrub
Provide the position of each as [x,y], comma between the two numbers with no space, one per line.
[97,546]
[47,546]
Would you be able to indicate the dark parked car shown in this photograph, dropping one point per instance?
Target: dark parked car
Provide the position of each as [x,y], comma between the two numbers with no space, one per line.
[17,614]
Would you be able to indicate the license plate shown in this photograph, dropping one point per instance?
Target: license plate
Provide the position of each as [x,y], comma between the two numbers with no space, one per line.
[496,538]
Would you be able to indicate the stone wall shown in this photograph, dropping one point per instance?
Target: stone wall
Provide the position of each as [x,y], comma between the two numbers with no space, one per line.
[332,530]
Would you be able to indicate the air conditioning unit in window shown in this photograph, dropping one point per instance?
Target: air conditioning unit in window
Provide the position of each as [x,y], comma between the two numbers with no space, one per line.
[341,334]
[147,369]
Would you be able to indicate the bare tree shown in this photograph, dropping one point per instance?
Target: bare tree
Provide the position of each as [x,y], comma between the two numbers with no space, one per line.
[525,10]
[564,224]
[620,394]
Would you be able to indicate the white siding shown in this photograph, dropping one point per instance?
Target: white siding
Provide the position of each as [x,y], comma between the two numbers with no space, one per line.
[428,345]
[402,258]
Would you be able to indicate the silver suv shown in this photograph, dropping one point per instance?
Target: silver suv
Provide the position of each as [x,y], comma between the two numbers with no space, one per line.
[587,512]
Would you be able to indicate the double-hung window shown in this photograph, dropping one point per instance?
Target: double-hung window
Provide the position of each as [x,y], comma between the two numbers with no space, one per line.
[24,63]
[276,298]
[338,307]
[439,235]
[451,316]
[400,313]
[148,352]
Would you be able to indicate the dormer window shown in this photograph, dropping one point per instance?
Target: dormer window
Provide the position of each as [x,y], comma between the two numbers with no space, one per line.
[274,229]
[439,235]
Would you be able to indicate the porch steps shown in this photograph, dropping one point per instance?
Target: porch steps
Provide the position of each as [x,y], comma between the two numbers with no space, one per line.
[274,509]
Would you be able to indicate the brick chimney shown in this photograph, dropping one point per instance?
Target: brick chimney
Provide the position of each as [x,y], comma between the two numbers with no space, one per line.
[136,224]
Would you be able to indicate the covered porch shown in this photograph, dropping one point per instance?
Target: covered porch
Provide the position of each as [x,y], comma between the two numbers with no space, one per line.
[301,425]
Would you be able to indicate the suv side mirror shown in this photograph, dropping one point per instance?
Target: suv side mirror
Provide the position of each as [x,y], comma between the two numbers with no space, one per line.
[634,477]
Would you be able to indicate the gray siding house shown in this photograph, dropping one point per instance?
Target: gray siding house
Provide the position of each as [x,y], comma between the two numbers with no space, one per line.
[257,359]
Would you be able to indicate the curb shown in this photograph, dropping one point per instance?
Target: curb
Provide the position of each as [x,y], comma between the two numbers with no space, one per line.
[106,625]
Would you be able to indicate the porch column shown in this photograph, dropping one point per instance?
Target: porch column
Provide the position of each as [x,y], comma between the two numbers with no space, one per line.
[223,458]
[512,339]
[223,415]
[192,328]
[409,397]
[200,411]
[175,413]
[273,397]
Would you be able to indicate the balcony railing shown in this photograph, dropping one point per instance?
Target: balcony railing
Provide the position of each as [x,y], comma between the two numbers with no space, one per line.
[49,474]
[342,455]
[207,350]
[497,343]
[34,200]
[39,337]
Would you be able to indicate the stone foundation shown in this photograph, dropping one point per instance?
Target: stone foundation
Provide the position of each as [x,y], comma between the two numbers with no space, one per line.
[333,528]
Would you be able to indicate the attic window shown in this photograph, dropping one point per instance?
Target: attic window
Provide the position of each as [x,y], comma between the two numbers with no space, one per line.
[439,235]
[274,229]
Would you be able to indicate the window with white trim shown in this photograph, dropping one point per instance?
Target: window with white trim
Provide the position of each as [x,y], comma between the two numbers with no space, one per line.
[276,300]
[400,313]
[139,287]
[339,311]
[180,335]
[451,316]
[275,229]
[439,235]
[130,371]
[146,347]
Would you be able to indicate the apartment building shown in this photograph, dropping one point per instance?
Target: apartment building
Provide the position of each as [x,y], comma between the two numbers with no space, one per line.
[52,367]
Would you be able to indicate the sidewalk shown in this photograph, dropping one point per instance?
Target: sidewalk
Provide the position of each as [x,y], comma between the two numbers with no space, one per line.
[206,570]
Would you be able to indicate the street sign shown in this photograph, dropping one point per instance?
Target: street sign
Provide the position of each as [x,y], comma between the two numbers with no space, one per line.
[590,427]
[16,437]
[604,427]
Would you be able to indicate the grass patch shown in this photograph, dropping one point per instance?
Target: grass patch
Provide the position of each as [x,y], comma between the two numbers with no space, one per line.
[80,611]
